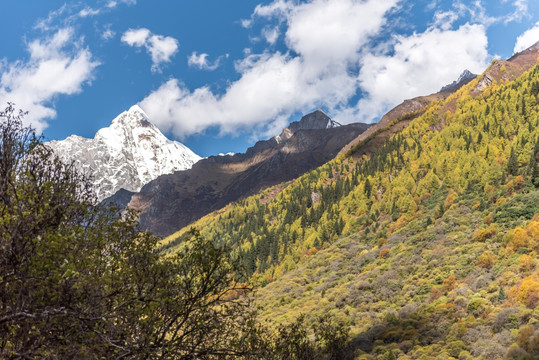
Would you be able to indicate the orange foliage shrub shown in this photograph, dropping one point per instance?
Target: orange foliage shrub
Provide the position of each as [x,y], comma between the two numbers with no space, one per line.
[488,219]
[528,340]
[533,233]
[384,253]
[449,200]
[486,260]
[449,283]
[526,263]
[484,234]
[400,223]
[518,182]
[516,239]
[528,291]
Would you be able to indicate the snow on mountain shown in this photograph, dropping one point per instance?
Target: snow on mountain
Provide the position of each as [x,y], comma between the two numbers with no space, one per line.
[128,154]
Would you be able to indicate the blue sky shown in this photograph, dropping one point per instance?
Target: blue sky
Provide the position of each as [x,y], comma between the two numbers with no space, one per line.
[218,75]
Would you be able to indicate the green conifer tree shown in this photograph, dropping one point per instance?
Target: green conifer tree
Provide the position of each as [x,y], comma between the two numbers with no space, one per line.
[512,163]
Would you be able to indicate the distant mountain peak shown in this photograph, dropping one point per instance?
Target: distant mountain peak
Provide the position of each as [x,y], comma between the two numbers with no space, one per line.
[127,154]
[313,121]
[317,120]
[466,75]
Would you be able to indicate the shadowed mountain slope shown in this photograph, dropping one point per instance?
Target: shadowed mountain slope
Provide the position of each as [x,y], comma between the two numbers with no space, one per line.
[173,201]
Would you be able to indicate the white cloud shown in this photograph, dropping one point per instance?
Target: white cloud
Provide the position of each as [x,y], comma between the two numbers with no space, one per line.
[136,37]
[327,37]
[52,69]
[271,34]
[331,58]
[279,8]
[521,11]
[527,39]
[419,64]
[331,32]
[445,19]
[161,48]
[477,12]
[108,33]
[201,61]
[113,3]
[46,23]
[88,11]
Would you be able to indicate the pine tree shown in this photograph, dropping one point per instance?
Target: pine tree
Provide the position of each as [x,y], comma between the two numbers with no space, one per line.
[534,171]
[501,294]
[512,163]
[368,188]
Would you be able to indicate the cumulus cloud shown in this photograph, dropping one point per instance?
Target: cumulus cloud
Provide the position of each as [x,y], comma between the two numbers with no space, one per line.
[326,38]
[332,32]
[161,48]
[54,68]
[527,39]
[407,71]
[330,59]
[136,37]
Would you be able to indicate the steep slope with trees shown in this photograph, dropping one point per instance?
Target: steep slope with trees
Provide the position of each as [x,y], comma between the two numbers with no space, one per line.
[426,245]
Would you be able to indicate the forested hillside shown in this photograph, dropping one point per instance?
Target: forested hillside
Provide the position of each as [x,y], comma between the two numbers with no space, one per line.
[426,246]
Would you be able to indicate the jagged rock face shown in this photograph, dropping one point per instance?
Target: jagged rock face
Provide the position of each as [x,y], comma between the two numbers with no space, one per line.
[126,155]
[508,70]
[173,201]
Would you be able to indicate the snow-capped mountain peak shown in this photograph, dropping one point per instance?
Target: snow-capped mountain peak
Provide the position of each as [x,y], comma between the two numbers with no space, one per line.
[128,154]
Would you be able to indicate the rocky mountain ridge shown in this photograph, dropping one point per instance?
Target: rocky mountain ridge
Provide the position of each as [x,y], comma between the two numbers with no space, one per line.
[173,201]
